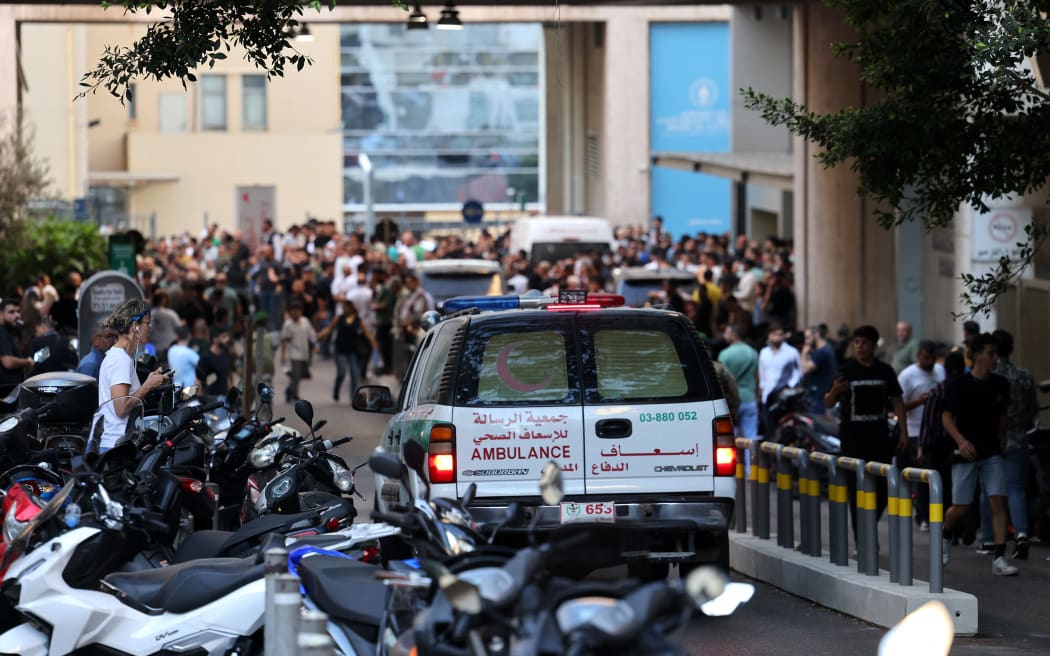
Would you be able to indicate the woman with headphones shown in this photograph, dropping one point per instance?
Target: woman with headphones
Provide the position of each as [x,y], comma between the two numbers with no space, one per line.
[117,379]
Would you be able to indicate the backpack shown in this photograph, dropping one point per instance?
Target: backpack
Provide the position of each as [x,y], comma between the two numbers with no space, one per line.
[932,435]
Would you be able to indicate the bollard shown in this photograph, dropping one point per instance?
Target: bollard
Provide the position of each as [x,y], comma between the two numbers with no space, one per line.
[313,635]
[867,548]
[809,493]
[282,617]
[893,505]
[933,479]
[740,505]
[838,508]
[275,562]
[761,496]
[785,505]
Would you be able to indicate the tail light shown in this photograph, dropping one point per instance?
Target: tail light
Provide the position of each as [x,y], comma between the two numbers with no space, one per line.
[191,485]
[370,554]
[441,459]
[725,446]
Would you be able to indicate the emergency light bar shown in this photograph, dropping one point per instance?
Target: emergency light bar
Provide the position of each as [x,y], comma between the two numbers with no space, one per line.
[575,299]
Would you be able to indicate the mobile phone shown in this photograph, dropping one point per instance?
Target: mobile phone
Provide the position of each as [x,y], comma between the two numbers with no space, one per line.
[167,372]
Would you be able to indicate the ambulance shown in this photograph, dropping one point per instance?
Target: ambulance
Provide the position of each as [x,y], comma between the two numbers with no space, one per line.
[625,400]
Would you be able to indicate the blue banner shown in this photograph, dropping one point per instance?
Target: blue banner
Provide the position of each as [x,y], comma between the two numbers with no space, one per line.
[689,112]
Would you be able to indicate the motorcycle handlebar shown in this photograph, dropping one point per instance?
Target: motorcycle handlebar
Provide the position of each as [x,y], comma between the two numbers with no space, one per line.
[394,519]
[341,442]
[214,405]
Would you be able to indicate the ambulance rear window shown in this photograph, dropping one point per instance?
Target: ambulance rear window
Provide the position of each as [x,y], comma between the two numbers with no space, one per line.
[527,365]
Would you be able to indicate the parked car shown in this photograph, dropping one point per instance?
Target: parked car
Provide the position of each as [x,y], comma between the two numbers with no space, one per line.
[445,279]
[640,286]
[625,400]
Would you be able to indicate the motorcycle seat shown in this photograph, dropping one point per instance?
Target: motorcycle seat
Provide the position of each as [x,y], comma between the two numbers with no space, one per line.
[345,589]
[186,586]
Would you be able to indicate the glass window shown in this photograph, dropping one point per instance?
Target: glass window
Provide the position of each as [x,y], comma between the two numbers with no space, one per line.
[253,102]
[651,360]
[443,116]
[430,379]
[213,102]
[172,114]
[514,363]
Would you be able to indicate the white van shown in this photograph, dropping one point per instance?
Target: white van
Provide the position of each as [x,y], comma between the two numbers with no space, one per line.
[445,279]
[558,237]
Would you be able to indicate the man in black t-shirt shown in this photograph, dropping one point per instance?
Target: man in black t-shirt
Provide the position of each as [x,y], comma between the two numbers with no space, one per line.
[865,388]
[974,417]
[214,366]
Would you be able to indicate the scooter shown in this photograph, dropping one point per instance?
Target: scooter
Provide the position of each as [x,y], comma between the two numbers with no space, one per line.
[212,607]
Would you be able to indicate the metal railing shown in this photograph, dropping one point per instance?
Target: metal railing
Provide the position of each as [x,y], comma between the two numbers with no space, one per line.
[761,454]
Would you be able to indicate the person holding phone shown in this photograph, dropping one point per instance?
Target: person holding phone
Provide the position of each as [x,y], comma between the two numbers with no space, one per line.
[117,379]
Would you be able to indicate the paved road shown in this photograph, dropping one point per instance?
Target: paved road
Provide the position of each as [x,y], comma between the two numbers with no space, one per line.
[1013,611]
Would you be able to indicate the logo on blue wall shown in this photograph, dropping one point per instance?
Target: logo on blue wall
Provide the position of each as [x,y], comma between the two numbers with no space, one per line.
[690,113]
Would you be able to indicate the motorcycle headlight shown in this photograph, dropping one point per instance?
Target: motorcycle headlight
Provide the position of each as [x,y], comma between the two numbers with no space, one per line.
[341,476]
[262,456]
[8,424]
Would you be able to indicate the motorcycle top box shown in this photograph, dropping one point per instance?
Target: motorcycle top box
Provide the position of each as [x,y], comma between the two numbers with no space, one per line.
[77,396]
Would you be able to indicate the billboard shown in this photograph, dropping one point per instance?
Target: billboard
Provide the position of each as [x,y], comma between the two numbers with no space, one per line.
[689,112]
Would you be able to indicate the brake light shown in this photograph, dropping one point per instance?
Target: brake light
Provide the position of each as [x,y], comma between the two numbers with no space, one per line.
[441,461]
[191,485]
[725,447]
[573,307]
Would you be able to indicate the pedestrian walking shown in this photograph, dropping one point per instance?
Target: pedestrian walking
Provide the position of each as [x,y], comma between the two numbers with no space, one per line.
[742,362]
[297,340]
[352,346]
[975,406]
[864,388]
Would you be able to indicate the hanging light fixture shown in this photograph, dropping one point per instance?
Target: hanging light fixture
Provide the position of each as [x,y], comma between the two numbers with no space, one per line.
[303,35]
[417,20]
[449,18]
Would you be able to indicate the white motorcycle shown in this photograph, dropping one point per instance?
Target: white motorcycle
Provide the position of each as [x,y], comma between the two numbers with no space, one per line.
[212,606]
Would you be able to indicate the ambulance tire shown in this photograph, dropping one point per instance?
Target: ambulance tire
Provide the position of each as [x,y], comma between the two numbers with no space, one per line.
[648,570]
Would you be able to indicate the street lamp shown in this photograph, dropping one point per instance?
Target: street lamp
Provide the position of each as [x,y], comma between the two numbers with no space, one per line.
[450,18]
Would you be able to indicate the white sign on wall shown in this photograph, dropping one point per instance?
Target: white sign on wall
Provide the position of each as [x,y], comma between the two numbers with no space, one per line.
[998,233]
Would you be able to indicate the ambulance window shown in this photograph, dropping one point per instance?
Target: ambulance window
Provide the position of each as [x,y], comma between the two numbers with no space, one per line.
[430,375]
[415,369]
[523,364]
[649,361]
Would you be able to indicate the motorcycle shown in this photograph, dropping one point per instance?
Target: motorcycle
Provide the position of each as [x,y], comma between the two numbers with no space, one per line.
[796,426]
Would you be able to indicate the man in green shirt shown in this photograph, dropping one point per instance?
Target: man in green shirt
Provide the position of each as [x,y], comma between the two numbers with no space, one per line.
[907,348]
[742,362]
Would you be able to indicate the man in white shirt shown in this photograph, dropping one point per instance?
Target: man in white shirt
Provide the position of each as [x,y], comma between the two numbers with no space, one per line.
[779,365]
[916,381]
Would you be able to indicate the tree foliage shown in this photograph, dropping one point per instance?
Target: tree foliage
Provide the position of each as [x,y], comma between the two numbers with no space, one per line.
[53,246]
[958,119]
[195,33]
[22,176]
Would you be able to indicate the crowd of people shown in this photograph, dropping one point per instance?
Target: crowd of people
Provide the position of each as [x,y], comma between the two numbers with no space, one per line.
[317,293]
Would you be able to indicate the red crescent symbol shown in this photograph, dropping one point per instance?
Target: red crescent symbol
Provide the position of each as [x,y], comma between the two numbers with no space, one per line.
[503,369]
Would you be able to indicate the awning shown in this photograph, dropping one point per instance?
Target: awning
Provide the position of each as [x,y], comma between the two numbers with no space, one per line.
[128,179]
[771,169]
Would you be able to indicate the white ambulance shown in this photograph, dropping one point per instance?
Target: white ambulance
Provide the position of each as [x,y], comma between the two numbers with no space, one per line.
[625,400]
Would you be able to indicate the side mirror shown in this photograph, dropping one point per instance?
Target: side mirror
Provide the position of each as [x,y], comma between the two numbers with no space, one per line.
[41,355]
[373,398]
[305,411]
[468,496]
[552,487]
[386,464]
[265,392]
[189,392]
[713,594]
[233,397]
[462,595]
[415,457]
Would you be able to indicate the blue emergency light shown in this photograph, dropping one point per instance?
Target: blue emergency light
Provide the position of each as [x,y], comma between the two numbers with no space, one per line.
[532,299]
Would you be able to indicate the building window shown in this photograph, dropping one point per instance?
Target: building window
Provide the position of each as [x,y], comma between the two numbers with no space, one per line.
[442,116]
[172,112]
[253,102]
[213,102]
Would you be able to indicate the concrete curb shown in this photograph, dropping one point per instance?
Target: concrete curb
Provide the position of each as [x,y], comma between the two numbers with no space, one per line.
[870,598]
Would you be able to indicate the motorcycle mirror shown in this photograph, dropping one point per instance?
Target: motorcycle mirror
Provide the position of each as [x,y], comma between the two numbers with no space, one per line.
[41,355]
[713,594]
[305,411]
[552,488]
[189,392]
[233,397]
[463,595]
[319,425]
[468,496]
[386,464]
[265,392]
[415,457]
[926,630]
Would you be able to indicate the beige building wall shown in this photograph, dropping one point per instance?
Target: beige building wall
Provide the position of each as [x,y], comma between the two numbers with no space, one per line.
[300,153]
[59,126]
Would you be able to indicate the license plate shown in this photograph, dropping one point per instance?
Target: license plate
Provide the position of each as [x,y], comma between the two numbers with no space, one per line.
[596,511]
